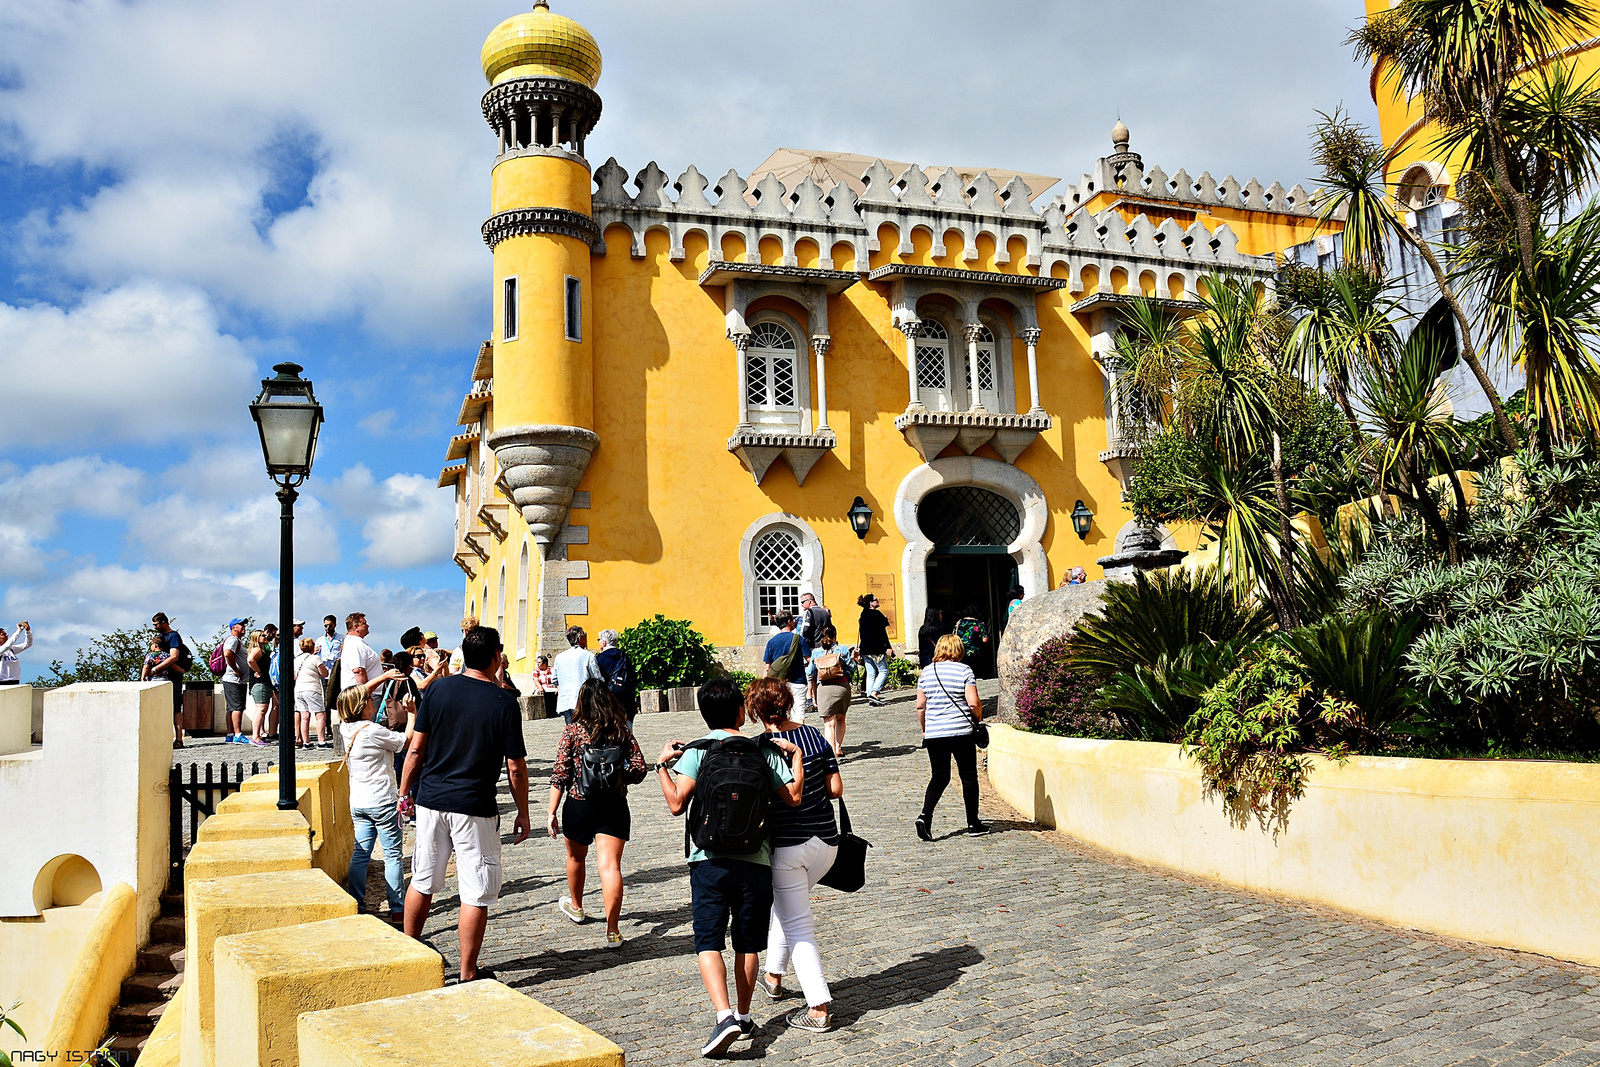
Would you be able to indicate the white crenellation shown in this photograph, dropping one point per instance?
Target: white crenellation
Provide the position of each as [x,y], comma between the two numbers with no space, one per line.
[1063,238]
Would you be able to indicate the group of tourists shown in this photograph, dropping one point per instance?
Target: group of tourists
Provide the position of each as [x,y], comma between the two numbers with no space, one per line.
[760,830]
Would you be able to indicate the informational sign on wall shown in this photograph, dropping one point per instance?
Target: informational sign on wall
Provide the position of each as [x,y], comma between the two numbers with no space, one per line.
[882,587]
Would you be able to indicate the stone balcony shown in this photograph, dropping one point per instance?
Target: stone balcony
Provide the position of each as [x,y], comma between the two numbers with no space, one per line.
[1119,460]
[758,450]
[475,401]
[496,515]
[931,432]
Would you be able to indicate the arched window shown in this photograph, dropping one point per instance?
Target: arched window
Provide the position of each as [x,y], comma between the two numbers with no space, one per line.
[500,605]
[933,366]
[988,377]
[523,580]
[770,376]
[775,561]
[968,516]
[1422,185]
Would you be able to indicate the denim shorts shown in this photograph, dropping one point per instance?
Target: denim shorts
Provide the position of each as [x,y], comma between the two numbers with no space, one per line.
[720,889]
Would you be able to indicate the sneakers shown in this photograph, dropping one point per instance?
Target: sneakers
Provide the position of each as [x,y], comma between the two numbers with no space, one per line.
[875,700]
[614,939]
[747,1027]
[259,744]
[802,1019]
[774,990]
[978,829]
[565,906]
[924,829]
[724,1034]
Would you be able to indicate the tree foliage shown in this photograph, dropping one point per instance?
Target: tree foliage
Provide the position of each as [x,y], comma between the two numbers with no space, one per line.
[114,657]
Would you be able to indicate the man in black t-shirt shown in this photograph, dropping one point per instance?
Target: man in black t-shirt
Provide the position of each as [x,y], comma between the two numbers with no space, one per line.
[465,727]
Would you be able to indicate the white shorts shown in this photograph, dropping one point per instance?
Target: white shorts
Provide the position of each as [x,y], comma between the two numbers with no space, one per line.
[475,840]
[800,691]
[308,702]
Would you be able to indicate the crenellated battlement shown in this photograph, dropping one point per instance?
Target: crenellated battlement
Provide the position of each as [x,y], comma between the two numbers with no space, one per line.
[1057,242]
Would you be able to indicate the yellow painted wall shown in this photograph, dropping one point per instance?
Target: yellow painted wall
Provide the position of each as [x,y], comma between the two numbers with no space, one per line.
[48,946]
[1392,839]
[106,957]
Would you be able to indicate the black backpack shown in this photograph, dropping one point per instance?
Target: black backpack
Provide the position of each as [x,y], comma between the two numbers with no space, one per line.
[185,657]
[600,769]
[732,797]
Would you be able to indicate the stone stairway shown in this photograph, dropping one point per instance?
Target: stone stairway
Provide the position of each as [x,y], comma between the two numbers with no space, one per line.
[148,991]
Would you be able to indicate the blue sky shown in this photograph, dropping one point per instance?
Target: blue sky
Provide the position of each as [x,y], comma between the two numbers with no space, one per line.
[193,190]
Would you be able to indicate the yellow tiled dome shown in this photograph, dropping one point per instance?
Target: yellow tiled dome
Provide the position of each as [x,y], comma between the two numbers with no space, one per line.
[541,44]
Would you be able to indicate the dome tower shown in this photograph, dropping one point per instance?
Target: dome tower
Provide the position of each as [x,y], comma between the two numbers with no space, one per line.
[542,69]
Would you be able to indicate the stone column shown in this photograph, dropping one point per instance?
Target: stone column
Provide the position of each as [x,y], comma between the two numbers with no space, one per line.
[1030,337]
[912,327]
[741,342]
[973,329]
[819,345]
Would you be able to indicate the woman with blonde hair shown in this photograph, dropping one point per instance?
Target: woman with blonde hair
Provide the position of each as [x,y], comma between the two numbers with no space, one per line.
[265,727]
[805,841]
[309,710]
[374,795]
[949,711]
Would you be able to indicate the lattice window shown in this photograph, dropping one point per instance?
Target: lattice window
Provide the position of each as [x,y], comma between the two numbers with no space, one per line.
[770,367]
[968,515]
[933,349]
[776,562]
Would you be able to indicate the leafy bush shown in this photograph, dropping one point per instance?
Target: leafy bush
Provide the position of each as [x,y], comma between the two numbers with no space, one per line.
[1156,616]
[1155,703]
[1511,652]
[903,673]
[114,657]
[668,653]
[1054,699]
[1252,730]
[742,679]
[1359,659]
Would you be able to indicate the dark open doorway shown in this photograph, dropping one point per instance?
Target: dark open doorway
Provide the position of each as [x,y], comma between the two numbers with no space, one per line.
[959,577]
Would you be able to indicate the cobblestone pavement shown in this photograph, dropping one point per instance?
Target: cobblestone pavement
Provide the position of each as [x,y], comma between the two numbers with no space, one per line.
[1021,948]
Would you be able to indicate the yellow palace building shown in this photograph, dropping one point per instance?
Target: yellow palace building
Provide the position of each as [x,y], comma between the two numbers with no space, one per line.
[705,396]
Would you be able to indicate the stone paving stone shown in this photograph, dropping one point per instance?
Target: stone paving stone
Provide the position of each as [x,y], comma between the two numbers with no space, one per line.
[1019,948]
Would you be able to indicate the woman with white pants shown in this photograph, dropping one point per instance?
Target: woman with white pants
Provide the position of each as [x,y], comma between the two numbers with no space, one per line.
[805,840]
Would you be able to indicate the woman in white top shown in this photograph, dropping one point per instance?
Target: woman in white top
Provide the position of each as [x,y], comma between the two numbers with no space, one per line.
[374,794]
[309,711]
[949,710]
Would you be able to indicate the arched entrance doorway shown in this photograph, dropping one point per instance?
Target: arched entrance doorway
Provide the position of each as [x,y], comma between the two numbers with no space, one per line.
[966,519]
[970,571]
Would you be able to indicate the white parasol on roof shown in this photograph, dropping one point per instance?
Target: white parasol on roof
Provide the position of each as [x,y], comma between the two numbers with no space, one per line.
[791,166]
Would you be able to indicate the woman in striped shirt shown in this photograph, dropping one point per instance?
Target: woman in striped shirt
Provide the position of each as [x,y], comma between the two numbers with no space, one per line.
[949,710]
[805,840]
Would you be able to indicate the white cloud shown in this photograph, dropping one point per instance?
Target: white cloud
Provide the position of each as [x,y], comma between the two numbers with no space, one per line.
[201,532]
[379,423]
[143,362]
[33,501]
[406,520]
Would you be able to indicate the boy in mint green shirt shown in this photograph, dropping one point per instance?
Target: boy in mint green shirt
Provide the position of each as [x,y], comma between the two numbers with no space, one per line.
[722,886]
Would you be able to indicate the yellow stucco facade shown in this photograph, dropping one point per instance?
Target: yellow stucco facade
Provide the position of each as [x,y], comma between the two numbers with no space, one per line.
[690,382]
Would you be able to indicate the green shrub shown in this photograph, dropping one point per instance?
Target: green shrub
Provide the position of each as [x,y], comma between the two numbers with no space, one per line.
[742,679]
[1155,703]
[1252,730]
[668,653]
[1156,616]
[1360,660]
[1510,654]
[903,673]
[1055,699]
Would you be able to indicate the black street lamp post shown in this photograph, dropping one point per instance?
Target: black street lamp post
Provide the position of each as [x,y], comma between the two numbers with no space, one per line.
[288,416]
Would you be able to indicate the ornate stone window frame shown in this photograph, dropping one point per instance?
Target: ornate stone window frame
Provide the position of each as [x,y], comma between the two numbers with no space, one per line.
[523,582]
[811,563]
[1033,568]
[955,367]
[510,287]
[802,363]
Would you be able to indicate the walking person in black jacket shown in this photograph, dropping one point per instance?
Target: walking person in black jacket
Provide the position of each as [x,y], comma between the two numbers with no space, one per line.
[933,628]
[874,647]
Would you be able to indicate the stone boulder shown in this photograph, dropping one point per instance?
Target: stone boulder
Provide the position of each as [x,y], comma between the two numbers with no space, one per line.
[1036,620]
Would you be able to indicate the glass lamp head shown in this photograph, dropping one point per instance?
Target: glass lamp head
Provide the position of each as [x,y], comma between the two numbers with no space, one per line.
[860,518]
[1081,518]
[289,419]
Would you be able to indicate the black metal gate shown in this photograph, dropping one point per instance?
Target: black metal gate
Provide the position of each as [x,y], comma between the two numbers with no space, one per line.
[199,795]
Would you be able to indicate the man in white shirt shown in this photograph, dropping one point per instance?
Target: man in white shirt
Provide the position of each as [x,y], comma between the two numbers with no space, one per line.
[572,668]
[10,645]
[358,662]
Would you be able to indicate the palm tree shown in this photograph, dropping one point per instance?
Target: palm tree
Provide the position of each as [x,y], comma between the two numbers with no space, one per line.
[1352,174]
[1149,348]
[1549,321]
[1465,59]
[1413,436]
[1346,319]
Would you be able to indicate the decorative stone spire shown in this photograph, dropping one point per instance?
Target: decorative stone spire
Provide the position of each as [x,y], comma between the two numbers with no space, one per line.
[1119,134]
[1119,160]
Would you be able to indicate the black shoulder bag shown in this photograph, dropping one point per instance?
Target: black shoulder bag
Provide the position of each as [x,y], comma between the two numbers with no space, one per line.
[849,870]
[980,730]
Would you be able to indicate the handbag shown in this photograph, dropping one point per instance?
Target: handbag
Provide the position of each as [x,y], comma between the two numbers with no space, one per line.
[849,870]
[980,730]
